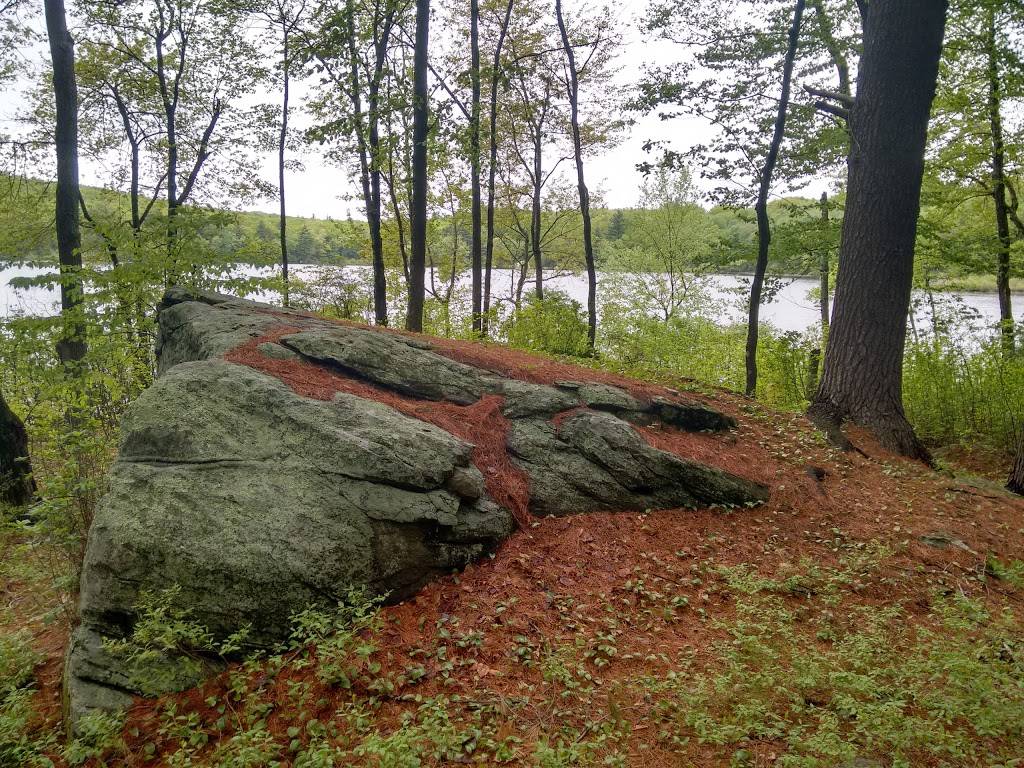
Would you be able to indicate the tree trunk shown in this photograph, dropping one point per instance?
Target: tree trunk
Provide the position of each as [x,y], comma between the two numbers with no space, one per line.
[577,145]
[862,380]
[492,167]
[823,272]
[418,204]
[764,233]
[17,487]
[535,210]
[999,189]
[71,347]
[814,361]
[392,182]
[170,119]
[380,289]
[476,244]
[281,143]
[826,30]
[367,141]
[1016,481]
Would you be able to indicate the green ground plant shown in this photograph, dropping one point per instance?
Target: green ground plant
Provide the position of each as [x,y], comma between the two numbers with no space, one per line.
[21,743]
[821,681]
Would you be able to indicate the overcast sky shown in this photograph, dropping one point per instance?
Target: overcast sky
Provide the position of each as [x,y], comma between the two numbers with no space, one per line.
[324,190]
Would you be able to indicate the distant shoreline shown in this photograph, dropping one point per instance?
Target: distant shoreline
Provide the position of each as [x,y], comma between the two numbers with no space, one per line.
[968,284]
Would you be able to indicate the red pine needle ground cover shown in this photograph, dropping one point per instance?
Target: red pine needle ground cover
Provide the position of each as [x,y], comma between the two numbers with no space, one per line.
[823,503]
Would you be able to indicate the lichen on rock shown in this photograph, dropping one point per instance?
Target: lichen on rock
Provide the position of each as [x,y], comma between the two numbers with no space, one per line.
[255,497]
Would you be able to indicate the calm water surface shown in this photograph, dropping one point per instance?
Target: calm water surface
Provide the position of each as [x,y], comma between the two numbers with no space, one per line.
[792,308]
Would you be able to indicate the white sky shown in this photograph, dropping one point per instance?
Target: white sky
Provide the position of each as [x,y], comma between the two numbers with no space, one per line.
[322,189]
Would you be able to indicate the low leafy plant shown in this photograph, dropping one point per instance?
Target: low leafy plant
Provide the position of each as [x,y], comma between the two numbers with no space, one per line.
[99,736]
[21,742]
[826,684]
[342,638]
[167,650]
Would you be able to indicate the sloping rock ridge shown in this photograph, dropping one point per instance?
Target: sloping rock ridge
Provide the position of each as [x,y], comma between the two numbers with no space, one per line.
[280,459]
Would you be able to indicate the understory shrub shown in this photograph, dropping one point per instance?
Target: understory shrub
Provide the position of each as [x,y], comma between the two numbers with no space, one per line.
[956,394]
[556,324]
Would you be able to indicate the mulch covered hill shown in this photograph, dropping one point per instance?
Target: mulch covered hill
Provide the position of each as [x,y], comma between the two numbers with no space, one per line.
[937,532]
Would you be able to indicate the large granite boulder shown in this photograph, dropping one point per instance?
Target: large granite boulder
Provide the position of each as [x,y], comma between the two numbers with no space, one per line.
[251,501]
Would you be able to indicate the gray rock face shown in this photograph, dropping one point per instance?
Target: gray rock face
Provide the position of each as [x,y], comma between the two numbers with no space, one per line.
[391,362]
[596,461]
[287,506]
[602,397]
[255,502]
[198,330]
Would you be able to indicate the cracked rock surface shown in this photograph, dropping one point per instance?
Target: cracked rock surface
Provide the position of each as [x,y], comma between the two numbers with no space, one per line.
[255,502]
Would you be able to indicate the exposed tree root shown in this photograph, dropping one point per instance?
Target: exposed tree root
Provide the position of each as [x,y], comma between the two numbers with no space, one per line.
[894,432]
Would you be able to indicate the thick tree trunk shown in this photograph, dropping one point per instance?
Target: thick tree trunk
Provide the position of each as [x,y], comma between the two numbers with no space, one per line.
[476,244]
[16,485]
[862,378]
[492,167]
[418,204]
[999,189]
[1016,481]
[71,347]
[573,91]
[282,141]
[764,232]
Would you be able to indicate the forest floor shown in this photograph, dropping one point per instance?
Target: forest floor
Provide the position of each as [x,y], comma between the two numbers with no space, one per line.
[870,614]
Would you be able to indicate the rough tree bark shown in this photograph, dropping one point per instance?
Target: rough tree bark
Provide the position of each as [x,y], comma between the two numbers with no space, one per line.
[418,204]
[71,347]
[1016,481]
[862,378]
[764,232]
[16,485]
[492,167]
[573,92]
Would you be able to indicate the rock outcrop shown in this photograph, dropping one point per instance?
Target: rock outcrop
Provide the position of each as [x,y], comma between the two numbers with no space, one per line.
[280,459]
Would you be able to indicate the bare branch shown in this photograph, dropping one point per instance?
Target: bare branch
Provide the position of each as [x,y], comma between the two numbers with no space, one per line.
[845,99]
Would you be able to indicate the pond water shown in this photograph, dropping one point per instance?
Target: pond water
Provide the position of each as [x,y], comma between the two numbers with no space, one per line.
[792,308]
